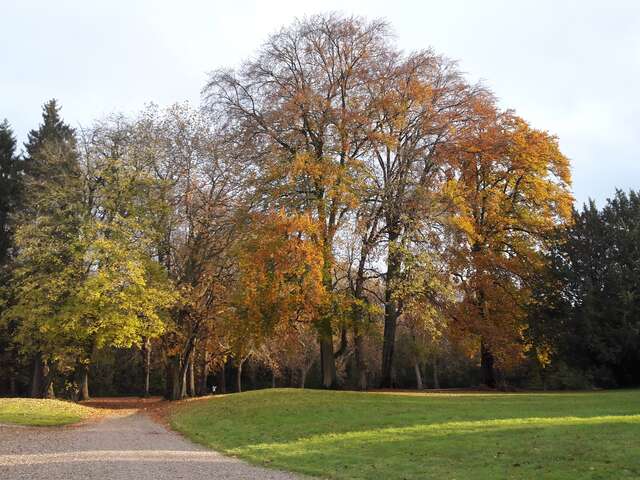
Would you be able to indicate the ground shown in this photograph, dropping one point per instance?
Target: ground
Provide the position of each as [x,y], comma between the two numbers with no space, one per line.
[32,411]
[348,435]
[340,435]
[124,443]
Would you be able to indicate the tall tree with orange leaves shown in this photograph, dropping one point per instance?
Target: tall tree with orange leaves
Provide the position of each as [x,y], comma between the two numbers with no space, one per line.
[279,286]
[510,185]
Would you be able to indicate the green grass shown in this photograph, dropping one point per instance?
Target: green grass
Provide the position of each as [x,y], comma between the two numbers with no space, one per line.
[31,411]
[440,436]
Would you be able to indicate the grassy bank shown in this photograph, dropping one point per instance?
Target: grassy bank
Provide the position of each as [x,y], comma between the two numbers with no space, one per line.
[347,435]
[31,411]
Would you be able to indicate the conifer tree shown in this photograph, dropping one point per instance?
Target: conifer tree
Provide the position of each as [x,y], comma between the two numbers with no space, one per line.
[48,265]
[9,186]
[51,133]
[10,181]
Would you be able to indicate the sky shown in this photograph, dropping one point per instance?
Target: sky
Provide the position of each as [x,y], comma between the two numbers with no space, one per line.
[569,67]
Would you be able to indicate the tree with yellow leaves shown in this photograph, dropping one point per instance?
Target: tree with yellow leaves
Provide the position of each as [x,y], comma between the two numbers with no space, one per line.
[510,186]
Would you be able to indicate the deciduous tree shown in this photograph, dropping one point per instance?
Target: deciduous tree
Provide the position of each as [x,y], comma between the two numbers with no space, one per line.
[511,187]
[299,112]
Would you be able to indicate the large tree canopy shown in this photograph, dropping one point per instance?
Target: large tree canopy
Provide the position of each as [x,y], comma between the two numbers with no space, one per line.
[338,213]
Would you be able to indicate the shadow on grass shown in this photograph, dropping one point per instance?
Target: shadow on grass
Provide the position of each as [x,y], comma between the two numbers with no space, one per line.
[554,448]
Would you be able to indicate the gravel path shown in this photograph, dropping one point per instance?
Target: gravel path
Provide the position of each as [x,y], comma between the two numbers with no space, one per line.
[124,445]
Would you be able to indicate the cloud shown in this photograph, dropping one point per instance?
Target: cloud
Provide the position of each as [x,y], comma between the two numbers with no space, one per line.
[568,67]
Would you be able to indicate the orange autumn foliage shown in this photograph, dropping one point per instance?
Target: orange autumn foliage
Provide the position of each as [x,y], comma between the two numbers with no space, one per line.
[509,184]
[279,280]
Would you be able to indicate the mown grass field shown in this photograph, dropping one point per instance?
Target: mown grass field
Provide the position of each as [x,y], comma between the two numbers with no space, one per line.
[349,435]
[31,411]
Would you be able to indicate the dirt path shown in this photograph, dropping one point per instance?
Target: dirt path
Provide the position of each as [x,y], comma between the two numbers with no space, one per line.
[123,444]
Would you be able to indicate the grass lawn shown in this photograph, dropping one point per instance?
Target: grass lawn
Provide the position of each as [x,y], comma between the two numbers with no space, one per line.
[440,436]
[31,411]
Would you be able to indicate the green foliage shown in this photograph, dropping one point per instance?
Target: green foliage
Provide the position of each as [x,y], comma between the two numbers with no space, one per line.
[84,275]
[590,310]
[52,134]
[345,435]
[10,193]
[10,182]
[123,296]
[424,290]
[48,266]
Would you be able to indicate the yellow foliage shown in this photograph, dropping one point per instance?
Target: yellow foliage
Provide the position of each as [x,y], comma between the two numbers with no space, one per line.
[509,185]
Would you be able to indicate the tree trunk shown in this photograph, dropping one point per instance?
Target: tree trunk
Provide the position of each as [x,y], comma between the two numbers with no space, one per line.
[168,377]
[388,345]
[183,381]
[486,366]
[344,343]
[303,376]
[327,359]
[84,381]
[486,356]
[359,319]
[37,377]
[436,380]
[47,384]
[273,379]
[175,379]
[361,366]
[239,377]
[390,315]
[183,366]
[325,328]
[205,373]
[416,368]
[222,379]
[13,390]
[191,375]
[146,362]
[174,385]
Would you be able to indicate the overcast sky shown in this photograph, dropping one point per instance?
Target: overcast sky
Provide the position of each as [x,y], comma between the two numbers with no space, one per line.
[569,67]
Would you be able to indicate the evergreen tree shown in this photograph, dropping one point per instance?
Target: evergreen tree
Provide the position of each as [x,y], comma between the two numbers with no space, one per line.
[49,263]
[10,188]
[10,166]
[52,133]
[590,311]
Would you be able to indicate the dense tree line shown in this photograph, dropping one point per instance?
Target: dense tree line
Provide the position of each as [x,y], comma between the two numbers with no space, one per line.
[337,213]
[586,309]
